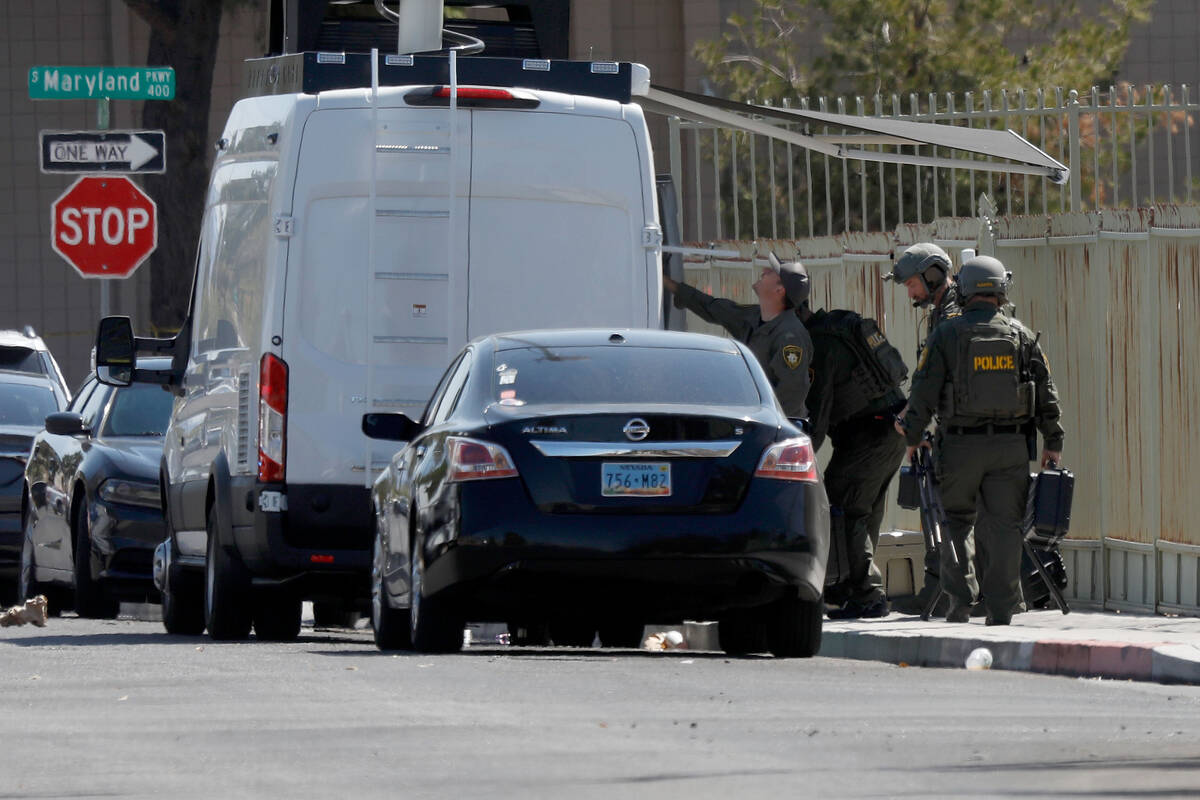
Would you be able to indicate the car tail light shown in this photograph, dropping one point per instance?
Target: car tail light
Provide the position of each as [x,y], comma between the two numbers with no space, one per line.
[473,460]
[789,460]
[272,419]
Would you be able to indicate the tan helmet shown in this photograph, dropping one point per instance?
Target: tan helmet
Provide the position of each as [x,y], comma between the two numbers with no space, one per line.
[983,275]
[926,260]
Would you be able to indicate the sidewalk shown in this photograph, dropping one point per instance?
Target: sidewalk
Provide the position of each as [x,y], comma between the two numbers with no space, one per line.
[1092,644]
[1085,643]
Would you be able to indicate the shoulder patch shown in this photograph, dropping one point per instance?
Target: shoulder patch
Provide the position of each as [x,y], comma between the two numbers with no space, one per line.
[793,354]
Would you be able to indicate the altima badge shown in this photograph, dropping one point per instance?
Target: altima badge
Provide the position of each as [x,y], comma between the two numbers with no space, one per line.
[636,429]
[542,430]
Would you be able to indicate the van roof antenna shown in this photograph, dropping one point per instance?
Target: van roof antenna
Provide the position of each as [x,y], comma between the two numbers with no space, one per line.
[420,28]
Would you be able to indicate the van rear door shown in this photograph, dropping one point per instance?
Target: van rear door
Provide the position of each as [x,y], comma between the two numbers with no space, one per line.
[330,284]
[558,208]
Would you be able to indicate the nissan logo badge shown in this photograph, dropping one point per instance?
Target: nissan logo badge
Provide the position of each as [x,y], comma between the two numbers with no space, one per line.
[636,429]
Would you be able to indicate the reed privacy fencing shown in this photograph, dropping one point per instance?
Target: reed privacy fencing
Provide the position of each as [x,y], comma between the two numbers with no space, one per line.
[1127,146]
[1116,296]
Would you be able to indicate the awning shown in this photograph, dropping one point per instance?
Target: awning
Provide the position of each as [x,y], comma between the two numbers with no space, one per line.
[1020,156]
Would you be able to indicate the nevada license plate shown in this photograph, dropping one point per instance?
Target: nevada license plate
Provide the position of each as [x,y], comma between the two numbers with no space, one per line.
[635,480]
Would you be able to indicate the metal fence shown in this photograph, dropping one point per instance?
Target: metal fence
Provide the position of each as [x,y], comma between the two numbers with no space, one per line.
[1126,147]
[1116,295]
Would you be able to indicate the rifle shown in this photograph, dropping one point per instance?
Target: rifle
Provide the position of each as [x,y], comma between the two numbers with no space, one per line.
[933,515]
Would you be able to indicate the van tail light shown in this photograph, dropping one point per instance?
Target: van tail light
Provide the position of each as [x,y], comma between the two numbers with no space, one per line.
[272,419]
[789,460]
[475,93]
[473,460]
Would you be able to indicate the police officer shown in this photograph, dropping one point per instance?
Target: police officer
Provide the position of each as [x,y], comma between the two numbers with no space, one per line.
[986,377]
[924,270]
[772,332]
[854,397]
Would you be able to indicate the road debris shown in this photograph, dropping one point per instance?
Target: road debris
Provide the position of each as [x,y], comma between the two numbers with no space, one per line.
[34,611]
[665,640]
[980,658]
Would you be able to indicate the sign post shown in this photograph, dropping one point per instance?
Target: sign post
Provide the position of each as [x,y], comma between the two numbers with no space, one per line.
[103,84]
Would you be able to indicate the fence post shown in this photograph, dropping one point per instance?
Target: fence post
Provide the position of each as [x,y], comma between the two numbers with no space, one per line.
[676,150]
[1073,145]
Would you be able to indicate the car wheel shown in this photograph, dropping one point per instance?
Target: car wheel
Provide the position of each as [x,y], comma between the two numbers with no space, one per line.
[28,586]
[740,633]
[183,602]
[621,633]
[276,615]
[528,634]
[92,599]
[227,611]
[432,625]
[572,634]
[794,628]
[393,628]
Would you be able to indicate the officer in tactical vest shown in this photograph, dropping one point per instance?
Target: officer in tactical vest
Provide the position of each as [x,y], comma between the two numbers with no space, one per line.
[924,270]
[985,376]
[854,397]
[774,334]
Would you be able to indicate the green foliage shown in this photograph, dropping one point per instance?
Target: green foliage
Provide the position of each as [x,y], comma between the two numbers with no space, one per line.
[921,46]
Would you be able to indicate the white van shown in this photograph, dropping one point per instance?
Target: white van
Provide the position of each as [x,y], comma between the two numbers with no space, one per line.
[353,239]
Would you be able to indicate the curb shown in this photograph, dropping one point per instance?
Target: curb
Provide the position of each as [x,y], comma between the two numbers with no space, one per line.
[1162,662]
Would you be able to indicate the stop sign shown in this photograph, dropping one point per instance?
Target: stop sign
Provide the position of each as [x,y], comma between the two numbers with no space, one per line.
[104,226]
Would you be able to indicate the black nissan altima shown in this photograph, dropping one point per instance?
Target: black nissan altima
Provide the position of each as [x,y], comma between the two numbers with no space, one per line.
[575,482]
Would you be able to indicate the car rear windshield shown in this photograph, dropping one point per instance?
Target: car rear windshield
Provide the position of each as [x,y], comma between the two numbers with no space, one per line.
[622,374]
[21,404]
[20,359]
[142,409]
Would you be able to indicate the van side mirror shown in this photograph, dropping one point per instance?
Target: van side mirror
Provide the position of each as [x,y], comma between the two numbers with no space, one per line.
[394,427]
[65,423]
[115,351]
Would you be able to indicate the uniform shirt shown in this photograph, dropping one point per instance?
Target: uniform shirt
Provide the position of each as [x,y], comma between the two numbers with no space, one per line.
[782,345]
[832,369]
[938,366]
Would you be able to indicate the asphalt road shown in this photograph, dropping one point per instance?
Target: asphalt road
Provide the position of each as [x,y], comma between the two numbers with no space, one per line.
[105,709]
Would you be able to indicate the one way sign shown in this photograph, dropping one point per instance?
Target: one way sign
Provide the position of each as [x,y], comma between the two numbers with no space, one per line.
[104,151]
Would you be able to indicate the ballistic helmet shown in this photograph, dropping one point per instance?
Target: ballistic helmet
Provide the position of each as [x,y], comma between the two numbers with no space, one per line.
[983,275]
[925,260]
[794,277]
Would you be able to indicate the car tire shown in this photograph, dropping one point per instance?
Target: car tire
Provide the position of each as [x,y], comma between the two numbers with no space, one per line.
[572,634]
[392,626]
[528,634]
[28,586]
[794,628]
[92,599]
[741,633]
[276,615]
[228,614]
[621,633]
[433,627]
[183,602]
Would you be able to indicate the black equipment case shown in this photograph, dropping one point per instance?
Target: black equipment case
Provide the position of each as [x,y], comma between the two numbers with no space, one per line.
[1051,506]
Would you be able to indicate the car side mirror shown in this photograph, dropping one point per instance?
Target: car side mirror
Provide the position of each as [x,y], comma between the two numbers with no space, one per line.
[65,423]
[115,351]
[393,426]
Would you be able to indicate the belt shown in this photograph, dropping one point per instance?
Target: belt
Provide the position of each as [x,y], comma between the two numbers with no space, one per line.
[983,430]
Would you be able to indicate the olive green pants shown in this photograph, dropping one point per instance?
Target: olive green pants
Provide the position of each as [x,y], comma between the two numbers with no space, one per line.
[984,481]
[866,454]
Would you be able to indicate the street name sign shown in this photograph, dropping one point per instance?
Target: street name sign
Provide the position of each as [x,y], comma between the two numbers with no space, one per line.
[116,83]
[104,151]
[104,226]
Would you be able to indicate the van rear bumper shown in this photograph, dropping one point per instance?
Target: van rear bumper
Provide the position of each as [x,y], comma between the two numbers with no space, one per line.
[319,539]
